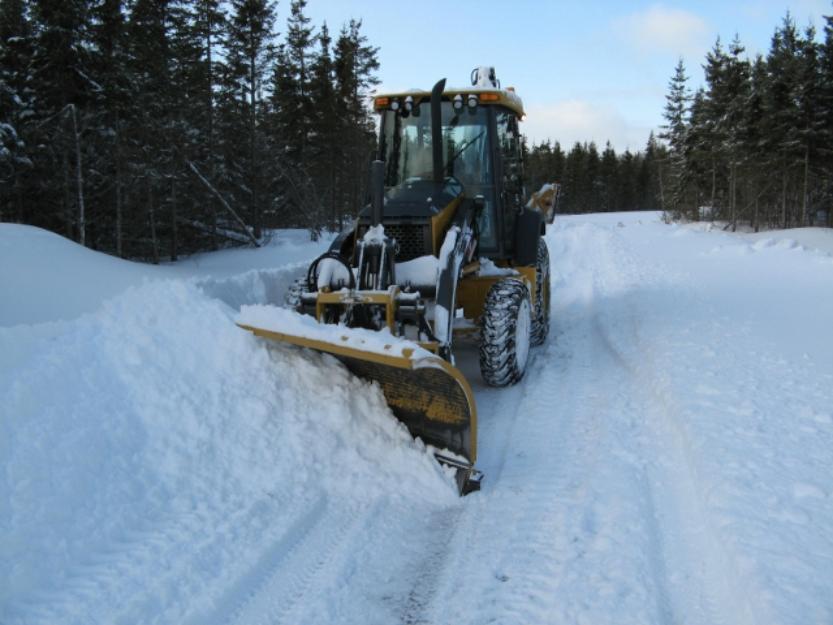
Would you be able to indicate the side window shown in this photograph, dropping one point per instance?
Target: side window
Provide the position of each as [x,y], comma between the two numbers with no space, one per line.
[509,139]
[507,131]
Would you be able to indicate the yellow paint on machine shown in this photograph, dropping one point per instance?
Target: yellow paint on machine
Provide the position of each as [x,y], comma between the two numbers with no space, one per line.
[429,395]
[472,290]
[440,221]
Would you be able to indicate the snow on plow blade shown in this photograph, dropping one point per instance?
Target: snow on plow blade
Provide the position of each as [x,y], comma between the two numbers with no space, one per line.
[430,396]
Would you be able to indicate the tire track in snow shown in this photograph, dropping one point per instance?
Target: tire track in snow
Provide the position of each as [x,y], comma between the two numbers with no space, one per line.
[117,573]
[708,586]
[273,587]
[549,534]
[440,532]
[702,576]
[456,530]
[247,589]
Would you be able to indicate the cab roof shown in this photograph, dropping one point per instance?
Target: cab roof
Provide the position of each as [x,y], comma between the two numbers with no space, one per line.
[504,97]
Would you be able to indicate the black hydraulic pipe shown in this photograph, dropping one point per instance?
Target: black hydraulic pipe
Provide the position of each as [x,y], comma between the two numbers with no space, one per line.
[437,133]
[377,190]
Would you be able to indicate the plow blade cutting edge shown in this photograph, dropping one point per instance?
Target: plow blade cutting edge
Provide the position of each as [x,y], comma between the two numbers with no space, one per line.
[429,395]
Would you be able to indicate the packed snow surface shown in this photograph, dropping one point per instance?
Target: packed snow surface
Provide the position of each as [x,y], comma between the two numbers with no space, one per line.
[666,459]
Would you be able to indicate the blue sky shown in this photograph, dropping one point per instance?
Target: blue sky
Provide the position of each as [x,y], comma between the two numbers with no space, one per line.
[593,70]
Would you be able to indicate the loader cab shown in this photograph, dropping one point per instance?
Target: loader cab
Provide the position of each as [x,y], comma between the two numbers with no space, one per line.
[481,159]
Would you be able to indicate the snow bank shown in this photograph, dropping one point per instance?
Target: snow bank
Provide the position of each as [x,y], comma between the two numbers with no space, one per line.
[258,286]
[148,447]
[45,277]
[722,349]
[819,239]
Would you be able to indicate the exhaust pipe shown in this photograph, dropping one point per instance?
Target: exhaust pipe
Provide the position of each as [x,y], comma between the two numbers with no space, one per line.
[377,191]
[437,134]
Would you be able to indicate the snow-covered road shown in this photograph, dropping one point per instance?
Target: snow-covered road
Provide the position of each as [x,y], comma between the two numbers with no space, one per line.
[667,458]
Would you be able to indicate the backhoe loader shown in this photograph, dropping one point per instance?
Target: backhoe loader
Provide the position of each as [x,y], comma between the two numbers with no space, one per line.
[447,248]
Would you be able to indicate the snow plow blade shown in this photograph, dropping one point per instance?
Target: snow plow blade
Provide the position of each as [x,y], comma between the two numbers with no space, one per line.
[429,395]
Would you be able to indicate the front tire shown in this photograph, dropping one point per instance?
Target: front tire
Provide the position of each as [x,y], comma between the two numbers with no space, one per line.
[541,315]
[506,333]
[293,294]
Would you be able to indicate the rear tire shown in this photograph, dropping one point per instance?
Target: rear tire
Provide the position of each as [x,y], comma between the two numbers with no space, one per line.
[541,314]
[506,333]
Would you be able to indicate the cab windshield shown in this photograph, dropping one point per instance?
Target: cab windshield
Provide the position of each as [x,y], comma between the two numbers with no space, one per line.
[408,147]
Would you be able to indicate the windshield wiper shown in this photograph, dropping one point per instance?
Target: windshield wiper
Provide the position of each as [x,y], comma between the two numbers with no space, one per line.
[464,147]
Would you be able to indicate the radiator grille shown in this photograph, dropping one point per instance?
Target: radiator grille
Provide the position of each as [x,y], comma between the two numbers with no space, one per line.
[413,240]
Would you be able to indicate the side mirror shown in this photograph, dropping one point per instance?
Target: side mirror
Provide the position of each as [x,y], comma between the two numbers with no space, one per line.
[545,201]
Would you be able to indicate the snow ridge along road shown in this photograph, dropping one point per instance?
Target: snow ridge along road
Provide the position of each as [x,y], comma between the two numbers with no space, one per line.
[665,460]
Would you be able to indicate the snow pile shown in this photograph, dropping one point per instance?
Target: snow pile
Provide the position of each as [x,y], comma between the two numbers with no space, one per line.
[375,234]
[818,239]
[489,269]
[149,448]
[45,277]
[258,286]
[418,272]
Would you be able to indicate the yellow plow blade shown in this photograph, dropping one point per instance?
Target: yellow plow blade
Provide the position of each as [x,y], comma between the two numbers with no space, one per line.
[430,396]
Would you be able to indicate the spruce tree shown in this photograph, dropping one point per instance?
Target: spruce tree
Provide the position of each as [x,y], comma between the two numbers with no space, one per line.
[16,105]
[713,135]
[825,137]
[325,149]
[110,64]
[608,179]
[784,69]
[250,52]
[63,88]
[674,133]
[736,85]
[356,64]
[753,130]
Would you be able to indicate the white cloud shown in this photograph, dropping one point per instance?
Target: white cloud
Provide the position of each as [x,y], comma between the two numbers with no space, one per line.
[663,29]
[568,121]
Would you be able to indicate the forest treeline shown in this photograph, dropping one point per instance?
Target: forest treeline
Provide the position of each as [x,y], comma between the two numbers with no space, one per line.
[594,182]
[152,128]
[755,144]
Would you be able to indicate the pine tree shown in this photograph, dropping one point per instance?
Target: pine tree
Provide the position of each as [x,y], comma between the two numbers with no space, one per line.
[110,65]
[783,65]
[356,64]
[713,135]
[250,52]
[649,184]
[574,177]
[291,85]
[809,112]
[753,130]
[292,119]
[674,132]
[63,90]
[15,108]
[591,183]
[825,137]
[152,121]
[325,149]
[608,179]
[736,84]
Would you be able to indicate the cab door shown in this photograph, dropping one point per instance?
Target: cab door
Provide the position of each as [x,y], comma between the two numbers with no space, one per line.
[509,179]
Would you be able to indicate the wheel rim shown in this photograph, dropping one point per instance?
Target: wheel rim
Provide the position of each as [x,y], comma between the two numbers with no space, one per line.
[522,329]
